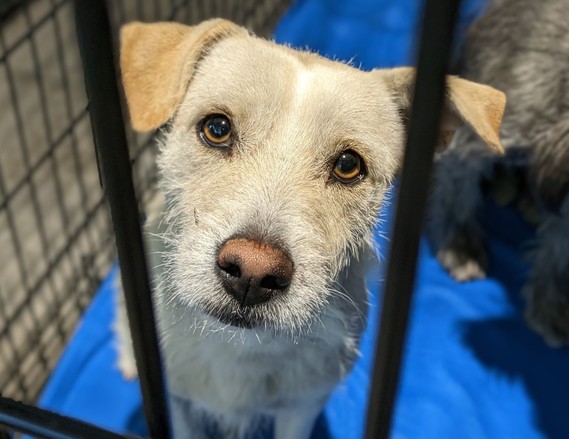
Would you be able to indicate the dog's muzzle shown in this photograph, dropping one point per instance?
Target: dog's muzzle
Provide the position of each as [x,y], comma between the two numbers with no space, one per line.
[253,272]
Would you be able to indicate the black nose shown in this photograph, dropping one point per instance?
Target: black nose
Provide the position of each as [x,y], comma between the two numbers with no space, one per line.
[253,272]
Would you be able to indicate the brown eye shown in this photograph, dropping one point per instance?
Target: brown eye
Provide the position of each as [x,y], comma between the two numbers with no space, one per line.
[348,168]
[216,130]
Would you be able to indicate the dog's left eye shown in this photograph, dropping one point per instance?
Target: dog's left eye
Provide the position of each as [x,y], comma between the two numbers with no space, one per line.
[216,130]
[348,168]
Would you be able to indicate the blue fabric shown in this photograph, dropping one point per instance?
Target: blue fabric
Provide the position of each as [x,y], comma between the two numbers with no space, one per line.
[472,371]
[370,33]
[86,383]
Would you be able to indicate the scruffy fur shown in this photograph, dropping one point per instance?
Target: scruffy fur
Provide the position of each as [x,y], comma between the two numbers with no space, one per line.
[293,113]
[520,47]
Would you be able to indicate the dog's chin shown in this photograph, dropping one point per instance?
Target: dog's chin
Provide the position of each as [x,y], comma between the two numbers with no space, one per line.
[238,321]
[237,317]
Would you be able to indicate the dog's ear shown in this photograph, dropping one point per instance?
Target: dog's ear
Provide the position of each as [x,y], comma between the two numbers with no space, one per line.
[157,62]
[480,106]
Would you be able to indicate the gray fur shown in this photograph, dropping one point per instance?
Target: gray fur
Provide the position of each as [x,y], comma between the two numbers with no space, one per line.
[520,47]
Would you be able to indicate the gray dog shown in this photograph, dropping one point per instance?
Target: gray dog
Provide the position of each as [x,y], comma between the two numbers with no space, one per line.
[522,48]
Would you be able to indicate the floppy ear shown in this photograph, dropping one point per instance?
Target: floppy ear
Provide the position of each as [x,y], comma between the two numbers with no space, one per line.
[480,106]
[157,62]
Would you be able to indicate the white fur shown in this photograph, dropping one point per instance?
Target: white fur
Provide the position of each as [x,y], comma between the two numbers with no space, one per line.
[293,114]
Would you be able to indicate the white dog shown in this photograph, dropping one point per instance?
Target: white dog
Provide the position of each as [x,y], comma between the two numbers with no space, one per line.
[273,170]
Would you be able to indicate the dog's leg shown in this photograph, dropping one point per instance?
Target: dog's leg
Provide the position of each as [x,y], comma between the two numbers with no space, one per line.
[296,424]
[547,291]
[187,423]
[125,361]
[125,352]
[452,225]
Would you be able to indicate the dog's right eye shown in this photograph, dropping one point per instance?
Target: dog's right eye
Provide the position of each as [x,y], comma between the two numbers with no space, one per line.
[348,168]
[215,130]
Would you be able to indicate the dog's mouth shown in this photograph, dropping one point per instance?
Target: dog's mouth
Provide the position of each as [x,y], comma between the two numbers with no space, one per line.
[239,321]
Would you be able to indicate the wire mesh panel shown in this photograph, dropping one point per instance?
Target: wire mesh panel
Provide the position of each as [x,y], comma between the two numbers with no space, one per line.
[54,232]
[56,242]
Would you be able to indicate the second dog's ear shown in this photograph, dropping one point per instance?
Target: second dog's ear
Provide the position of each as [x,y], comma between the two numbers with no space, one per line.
[157,61]
[480,106]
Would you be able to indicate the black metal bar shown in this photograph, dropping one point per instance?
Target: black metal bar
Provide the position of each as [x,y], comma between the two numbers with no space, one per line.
[436,42]
[95,43]
[44,424]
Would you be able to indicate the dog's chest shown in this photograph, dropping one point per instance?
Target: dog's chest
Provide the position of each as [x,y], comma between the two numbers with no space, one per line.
[244,378]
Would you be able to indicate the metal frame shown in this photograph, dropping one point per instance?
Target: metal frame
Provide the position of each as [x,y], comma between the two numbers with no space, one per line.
[56,238]
[110,139]
[96,46]
[44,424]
[436,44]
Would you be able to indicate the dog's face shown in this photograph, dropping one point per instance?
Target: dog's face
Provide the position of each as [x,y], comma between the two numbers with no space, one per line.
[274,165]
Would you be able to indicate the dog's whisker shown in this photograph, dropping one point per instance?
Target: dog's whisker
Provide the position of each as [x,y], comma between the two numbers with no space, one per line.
[344,295]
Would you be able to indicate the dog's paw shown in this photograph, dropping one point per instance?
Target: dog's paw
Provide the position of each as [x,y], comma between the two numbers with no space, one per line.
[127,368]
[460,265]
[548,315]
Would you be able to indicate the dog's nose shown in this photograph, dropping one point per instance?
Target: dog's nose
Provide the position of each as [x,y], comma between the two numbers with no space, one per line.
[253,272]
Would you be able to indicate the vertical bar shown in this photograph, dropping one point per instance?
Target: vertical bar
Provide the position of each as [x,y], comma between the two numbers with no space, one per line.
[15,230]
[59,192]
[73,121]
[95,43]
[436,42]
[140,10]
[23,272]
[157,10]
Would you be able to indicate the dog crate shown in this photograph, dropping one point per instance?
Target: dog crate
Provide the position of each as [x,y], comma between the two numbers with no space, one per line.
[56,238]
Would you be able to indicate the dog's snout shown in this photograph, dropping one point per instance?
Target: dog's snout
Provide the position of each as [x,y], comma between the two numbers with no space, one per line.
[253,272]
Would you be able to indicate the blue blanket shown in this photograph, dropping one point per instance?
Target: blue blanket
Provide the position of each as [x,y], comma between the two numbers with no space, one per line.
[472,369]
